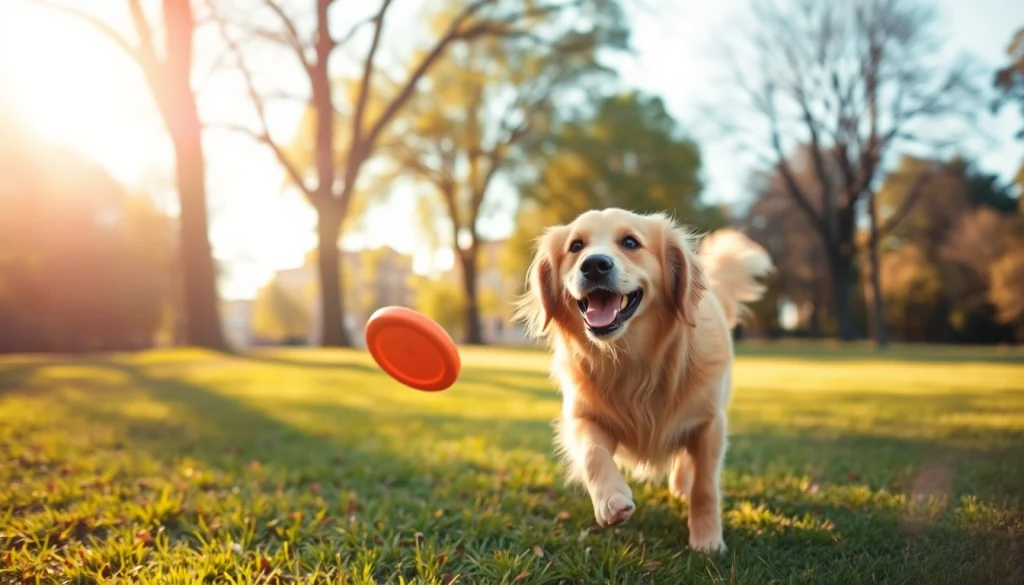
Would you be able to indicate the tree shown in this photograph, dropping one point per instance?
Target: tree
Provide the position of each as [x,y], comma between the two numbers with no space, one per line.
[376,100]
[954,221]
[774,221]
[851,81]
[1006,289]
[442,301]
[629,152]
[84,265]
[485,104]
[1009,80]
[168,77]
[281,314]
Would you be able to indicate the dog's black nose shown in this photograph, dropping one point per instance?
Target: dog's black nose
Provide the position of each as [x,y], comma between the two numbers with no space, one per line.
[596,266]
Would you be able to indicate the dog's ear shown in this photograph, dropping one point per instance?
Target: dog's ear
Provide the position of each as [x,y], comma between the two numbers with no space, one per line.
[542,299]
[683,280]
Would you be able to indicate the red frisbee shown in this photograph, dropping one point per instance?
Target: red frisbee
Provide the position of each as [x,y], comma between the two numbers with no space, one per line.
[412,348]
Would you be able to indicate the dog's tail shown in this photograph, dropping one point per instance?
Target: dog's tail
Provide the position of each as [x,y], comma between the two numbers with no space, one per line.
[732,264]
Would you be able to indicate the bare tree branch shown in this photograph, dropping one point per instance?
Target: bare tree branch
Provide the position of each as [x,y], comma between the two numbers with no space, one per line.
[292,38]
[347,37]
[908,202]
[793,187]
[263,135]
[147,50]
[99,24]
[357,149]
[424,65]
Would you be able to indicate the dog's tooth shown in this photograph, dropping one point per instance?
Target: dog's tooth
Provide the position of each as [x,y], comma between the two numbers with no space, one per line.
[625,300]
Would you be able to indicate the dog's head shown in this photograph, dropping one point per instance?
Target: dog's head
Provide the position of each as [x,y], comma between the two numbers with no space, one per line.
[610,272]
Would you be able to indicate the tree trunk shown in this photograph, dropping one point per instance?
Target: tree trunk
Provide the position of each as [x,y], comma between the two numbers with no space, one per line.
[202,310]
[333,332]
[474,331]
[841,267]
[171,88]
[875,286]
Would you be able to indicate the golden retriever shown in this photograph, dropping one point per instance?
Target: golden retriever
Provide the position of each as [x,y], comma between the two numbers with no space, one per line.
[639,325]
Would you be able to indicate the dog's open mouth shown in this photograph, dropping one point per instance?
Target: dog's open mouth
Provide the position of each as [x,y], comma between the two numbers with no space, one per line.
[604,311]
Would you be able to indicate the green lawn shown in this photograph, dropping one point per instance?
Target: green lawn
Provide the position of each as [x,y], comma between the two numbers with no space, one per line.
[313,467]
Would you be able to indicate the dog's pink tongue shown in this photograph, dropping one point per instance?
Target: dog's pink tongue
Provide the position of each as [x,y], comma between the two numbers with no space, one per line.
[602,309]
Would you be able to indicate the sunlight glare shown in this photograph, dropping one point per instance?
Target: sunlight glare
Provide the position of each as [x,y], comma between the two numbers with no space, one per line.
[82,92]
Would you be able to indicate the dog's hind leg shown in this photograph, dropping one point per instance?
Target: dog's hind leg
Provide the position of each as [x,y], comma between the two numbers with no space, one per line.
[680,478]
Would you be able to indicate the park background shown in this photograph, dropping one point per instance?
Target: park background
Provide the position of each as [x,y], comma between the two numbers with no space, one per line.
[202,201]
[650,106]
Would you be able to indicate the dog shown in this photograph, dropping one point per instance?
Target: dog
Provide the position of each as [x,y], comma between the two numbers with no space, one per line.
[639,323]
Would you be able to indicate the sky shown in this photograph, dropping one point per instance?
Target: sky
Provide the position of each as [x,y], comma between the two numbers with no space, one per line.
[72,86]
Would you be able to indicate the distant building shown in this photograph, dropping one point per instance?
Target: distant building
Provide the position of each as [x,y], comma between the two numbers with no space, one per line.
[383,277]
[236,317]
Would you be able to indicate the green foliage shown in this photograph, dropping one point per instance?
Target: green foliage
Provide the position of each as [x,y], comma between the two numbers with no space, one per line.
[443,301]
[627,153]
[311,467]
[492,99]
[489,101]
[955,243]
[630,154]
[280,314]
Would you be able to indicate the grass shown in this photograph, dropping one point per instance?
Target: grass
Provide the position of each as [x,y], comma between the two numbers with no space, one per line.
[312,467]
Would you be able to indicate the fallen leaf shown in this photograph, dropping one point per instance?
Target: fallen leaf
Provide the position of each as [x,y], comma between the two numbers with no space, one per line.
[264,565]
[521,576]
[143,536]
[651,566]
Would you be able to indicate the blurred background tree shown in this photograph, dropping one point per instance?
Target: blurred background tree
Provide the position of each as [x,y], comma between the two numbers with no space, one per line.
[954,222]
[850,82]
[281,315]
[443,301]
[628,152]
[84,265]
[163,49]
[483,106]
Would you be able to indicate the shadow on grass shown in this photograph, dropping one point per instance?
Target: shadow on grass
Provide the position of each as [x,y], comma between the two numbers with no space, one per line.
[847,353]
[341,448]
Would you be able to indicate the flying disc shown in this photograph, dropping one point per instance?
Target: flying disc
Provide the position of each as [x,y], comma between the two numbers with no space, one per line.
[412,348]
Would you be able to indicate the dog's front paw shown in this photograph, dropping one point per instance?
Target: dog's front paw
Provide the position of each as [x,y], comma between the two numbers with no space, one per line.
[707,543]
[614,507]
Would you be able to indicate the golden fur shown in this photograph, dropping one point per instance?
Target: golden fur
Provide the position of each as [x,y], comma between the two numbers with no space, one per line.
[651,396]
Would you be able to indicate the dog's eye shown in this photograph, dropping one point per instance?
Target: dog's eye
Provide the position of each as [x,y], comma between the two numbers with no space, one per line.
[575,246]
[630,243]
